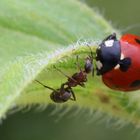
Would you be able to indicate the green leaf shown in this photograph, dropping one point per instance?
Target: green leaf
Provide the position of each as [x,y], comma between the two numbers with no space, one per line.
[34,36]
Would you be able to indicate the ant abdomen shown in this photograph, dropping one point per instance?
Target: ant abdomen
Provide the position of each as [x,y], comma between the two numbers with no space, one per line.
[61,94]
[59,97]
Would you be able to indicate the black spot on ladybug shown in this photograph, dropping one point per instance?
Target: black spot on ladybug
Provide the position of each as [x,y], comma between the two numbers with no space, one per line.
[137,40]
[136,83]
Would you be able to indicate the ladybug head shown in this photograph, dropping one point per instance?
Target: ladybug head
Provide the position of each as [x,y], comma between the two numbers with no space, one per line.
[108,54]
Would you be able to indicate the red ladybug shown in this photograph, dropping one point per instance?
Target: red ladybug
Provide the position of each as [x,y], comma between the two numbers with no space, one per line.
[118,61]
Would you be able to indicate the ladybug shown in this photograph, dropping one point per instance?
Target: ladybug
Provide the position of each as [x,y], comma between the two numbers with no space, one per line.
[118,61]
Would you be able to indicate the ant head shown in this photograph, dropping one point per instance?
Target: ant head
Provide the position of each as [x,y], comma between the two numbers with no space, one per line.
[108,54]
[88,59]
[88,65]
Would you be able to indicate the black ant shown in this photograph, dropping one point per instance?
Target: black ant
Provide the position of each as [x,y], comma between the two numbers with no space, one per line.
[61,94]
[79,78]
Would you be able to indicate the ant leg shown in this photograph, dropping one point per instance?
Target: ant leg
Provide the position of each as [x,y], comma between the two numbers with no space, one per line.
[81,71]
[82,84]
[62,89]
[93,72]
[91,57]
[61,71]
[78,65]
[91,52]
[45,86]
[64,74]
[68,77]
[73,95]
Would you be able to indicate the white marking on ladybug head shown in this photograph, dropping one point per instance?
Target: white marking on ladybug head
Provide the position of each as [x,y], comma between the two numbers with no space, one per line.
[117,67]
[109,43]
[122,56]
[99,64]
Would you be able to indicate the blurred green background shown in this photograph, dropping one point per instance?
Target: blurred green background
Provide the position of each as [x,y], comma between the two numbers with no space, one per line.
[122,14]
[45,125]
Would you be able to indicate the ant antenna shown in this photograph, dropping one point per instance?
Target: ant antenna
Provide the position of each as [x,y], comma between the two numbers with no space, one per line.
[45,86]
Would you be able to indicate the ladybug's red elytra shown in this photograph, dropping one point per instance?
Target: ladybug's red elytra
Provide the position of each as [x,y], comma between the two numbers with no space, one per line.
[118,61]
